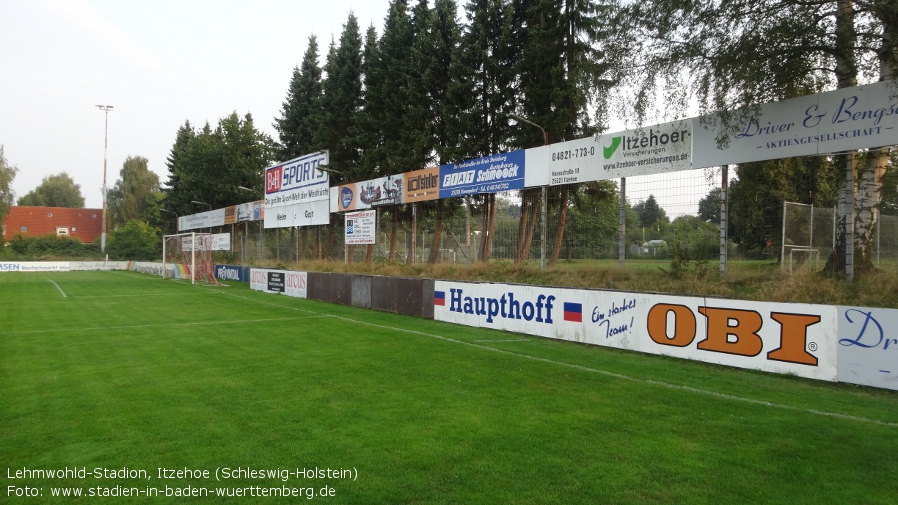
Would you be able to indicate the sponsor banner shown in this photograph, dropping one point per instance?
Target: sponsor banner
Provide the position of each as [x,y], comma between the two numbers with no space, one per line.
[361,227]
[151,268]
[301,214]
[206,219]
[367,194]
[230,214]
[823,123]
[490,174]
[297,181]
[250,211]
[221,241]
[98,265]
[868,347]
[781,338]
[34,266]
[232,273]
[654,149]
[286,282]
[422,185]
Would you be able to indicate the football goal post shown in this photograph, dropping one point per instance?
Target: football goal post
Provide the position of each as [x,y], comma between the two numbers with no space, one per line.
[188,256]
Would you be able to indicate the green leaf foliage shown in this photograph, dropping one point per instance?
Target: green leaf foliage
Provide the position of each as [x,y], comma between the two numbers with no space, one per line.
[135,241]
[7,174]
[57,190]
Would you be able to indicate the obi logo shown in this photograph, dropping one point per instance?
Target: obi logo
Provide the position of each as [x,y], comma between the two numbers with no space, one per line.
[345,197]
[273,178]
[734,331]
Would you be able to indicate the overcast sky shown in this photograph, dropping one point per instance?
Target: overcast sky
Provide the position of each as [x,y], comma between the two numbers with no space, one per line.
[158,62]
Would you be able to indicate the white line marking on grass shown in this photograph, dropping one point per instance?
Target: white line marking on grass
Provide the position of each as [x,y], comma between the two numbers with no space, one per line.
[59,288]
[637,380]
[508,340]
[167,325]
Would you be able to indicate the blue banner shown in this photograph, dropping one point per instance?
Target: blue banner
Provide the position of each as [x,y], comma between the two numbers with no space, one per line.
[490,174]
[232,273]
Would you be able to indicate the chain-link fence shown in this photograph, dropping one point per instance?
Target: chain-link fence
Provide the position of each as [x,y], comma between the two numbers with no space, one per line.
[665,216]
[809,235]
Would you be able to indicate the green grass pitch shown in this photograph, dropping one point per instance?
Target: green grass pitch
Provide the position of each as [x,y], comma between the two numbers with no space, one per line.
[120,375]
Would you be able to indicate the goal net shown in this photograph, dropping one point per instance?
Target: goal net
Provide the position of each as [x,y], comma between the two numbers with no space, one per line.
[188,256]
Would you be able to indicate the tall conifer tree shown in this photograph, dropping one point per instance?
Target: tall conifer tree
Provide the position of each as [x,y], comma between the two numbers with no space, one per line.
[301,111]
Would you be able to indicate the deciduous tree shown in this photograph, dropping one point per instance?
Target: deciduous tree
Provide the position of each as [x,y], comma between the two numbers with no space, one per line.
[7,174]
[57,190]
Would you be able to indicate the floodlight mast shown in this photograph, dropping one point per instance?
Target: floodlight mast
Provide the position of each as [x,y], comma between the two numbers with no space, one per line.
[106,109]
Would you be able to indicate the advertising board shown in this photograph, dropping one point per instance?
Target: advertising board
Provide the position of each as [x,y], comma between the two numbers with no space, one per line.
[286,282]
[232,273]
[868,346]
[297,181]
[368,194]
[422,185]
[653,149]
[489,174]
[34,266]
[208,219]
[300,214]
[794,339]
[361,227]
[841,120]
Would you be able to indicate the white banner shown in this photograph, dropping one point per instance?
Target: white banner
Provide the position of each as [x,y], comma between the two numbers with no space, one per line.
[297,181]
[823,123]
[221,242]
[868,346]
[286,282]
[34,266]
[301,214]
[654,149]
[794,339]
[206,219]
[98,265]
[361,227]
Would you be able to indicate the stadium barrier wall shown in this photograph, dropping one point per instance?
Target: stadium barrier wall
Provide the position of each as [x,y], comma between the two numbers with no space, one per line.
[856,345]
[845,344]
[408,296]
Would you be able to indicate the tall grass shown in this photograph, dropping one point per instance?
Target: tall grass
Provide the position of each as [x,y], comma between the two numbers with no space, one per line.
[764,282]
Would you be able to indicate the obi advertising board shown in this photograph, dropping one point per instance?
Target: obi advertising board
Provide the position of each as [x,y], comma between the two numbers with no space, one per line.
[835,121]
[490,174]
[797,339]
[297,193]
[287,282]
[654,149]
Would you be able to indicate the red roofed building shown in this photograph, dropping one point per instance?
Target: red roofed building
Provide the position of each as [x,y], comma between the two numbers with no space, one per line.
[82,224]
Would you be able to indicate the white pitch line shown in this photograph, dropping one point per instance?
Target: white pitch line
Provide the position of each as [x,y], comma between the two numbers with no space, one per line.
[137,326]
[59,288]
[607,373]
